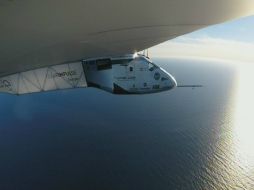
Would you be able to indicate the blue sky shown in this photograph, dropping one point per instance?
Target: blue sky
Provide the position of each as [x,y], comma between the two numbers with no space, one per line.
[238,30]
[232,40]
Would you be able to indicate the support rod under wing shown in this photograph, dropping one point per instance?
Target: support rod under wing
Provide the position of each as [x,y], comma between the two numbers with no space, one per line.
[65,76]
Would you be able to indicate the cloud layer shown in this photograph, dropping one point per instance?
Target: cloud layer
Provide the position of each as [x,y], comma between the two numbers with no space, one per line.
[205,47]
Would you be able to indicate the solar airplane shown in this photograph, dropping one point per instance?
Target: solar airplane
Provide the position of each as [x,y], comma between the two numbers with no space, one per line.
[59,44]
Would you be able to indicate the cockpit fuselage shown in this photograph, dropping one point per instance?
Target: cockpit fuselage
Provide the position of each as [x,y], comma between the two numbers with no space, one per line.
[129,74]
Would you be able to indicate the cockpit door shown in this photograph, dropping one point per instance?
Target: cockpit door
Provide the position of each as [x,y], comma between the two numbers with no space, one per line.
[130,71]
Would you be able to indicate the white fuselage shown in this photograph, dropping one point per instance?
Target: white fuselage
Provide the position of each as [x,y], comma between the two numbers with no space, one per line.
[128,74]
[131,74]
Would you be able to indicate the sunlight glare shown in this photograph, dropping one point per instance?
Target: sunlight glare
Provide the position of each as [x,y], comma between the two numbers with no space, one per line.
[243,130]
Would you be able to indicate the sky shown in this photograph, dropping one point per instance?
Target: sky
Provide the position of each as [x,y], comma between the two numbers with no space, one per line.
[232,40]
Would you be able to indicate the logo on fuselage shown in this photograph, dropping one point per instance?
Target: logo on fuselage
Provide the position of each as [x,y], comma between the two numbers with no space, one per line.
[5,84]
[64,74]
[157,76]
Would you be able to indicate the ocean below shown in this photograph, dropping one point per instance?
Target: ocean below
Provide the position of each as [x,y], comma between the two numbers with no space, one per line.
[186,139]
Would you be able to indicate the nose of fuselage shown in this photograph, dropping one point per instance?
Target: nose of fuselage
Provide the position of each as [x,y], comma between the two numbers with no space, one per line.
[172,80]
[170,83]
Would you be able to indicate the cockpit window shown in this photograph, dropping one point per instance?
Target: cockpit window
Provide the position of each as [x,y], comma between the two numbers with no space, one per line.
[103,64]
[121,61]
[151,65]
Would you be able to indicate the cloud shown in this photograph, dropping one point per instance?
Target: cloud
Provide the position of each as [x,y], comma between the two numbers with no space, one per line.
[205,47]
